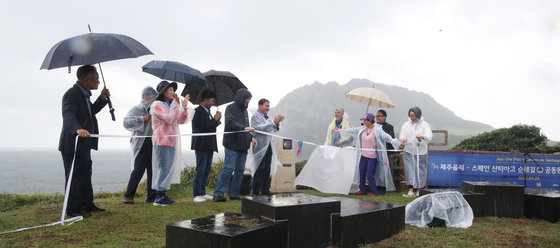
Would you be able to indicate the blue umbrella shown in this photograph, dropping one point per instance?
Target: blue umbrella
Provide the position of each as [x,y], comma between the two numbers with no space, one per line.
[174,71]
[93,48]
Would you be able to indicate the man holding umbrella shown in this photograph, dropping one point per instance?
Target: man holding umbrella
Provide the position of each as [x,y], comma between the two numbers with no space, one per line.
[78,114]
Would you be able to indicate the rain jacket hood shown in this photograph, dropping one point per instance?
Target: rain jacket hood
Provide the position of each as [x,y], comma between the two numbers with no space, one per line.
[240,96]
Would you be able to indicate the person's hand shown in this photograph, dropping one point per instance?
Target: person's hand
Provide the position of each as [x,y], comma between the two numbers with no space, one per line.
[82,133]
[338,143]
[176,97]
[105,93]
[250,129]
[254,141]
[185,100]
[336,130]
[218,116]
[146,118]
[278,119]
[404,140]
[401,146]
[419,137]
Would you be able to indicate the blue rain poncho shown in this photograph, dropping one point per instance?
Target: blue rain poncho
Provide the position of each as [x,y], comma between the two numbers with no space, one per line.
[134,121]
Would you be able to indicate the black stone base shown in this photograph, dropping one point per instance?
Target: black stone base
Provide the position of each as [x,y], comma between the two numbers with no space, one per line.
[362,222]
[541,204]
[245,188]
[309,216]
[227,230]
[501,199]
[475,200]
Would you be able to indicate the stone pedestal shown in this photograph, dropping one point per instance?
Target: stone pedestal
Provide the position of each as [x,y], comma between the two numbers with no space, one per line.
[501,199]
[227,230]
[362,222]
[542,204]
[309,217]
[475,200]
[245,187]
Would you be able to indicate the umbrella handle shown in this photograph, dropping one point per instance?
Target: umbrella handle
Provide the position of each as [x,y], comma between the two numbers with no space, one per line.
[111,109]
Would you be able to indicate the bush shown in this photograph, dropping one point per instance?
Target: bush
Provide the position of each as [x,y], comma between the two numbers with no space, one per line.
[523,138]
[299,166]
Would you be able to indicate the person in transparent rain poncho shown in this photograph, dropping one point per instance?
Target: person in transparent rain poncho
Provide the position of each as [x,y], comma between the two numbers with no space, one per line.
[139,122]
[167,113]
[372,153]
[415,135]
[341,121]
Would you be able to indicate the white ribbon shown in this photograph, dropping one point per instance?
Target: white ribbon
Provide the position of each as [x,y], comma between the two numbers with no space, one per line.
[63,215]
[66,194]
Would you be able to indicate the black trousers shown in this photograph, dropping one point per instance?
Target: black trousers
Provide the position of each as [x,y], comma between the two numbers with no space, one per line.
[261,178]
[143,162]
[81,191]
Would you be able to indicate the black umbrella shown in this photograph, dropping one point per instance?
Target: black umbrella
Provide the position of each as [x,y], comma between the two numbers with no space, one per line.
[93,48]
[223,83]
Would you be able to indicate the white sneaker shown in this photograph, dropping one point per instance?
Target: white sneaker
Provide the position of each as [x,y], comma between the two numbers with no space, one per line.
[207,197]
[418,193]
[410,194]
[199,199]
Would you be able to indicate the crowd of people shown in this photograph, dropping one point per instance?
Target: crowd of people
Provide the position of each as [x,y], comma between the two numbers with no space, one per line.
[156,145]
[375,140]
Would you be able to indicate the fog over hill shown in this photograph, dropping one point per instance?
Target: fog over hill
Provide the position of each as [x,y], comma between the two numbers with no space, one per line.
[310,109]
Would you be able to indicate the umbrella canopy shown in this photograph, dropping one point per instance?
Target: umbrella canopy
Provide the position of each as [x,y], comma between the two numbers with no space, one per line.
[223,83]
[93,48]
[174,71]
[370,96]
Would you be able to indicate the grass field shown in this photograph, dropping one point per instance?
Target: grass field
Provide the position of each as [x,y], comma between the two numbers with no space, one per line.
[143,225]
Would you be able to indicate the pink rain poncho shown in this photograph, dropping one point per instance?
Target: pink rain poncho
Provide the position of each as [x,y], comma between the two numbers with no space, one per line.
[167,142]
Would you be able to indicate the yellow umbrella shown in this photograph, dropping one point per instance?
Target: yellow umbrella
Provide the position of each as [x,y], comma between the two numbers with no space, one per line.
[370,96]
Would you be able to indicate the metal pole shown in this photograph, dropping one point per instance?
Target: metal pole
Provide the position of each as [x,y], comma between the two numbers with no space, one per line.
[111,109]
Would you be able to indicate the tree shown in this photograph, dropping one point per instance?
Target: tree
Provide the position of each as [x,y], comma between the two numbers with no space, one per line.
[523,138]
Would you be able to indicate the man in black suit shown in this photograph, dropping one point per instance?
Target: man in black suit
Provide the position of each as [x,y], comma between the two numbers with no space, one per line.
[204,146]
[78,115]
[381,119]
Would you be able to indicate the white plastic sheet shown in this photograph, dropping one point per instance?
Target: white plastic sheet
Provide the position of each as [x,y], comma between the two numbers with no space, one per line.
[448,206]
[329,169]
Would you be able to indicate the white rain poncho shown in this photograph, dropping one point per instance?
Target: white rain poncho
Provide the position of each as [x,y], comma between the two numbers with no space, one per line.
[383,175]
[134,122]
[448,206]
[255,155]
[165,121]
[415,152]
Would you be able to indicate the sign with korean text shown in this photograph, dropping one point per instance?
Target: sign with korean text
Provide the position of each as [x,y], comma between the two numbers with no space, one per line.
[451,169]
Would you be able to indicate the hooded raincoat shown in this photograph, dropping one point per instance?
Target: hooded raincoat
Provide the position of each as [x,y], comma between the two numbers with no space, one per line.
[166,159]
[236,119]
[415,153]
[134,122]
[383,175]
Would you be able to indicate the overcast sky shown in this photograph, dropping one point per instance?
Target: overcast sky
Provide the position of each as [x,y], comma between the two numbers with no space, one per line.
[496,62]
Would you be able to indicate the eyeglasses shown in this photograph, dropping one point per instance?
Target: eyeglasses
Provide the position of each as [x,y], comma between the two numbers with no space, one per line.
[379,116]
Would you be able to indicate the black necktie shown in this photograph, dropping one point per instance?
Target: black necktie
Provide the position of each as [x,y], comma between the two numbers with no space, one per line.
[266,117]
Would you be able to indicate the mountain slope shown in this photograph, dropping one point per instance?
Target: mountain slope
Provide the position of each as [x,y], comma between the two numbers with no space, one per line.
[309,110]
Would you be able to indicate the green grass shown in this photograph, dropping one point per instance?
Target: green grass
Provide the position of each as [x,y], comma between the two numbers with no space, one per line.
[143,225]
